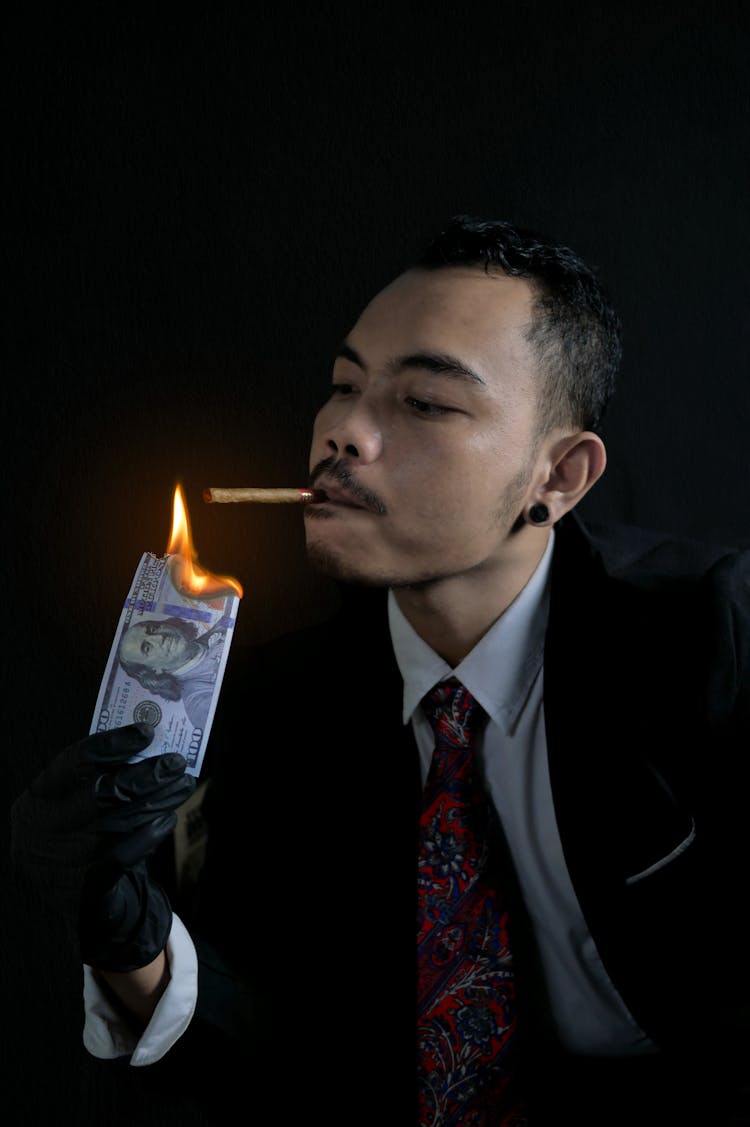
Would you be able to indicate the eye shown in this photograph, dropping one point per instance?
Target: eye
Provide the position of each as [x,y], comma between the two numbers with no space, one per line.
[341,390]
[427,409]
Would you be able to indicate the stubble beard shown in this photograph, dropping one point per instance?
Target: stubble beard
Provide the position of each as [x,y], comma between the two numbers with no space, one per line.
[508,516]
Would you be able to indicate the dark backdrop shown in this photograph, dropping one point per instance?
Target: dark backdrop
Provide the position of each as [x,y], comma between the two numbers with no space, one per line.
[198,205]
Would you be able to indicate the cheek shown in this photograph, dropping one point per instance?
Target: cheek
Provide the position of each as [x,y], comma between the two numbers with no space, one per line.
[463,494]
[440,493]
[455,466]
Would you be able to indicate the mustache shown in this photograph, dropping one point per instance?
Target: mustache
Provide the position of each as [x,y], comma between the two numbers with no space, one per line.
[341,473]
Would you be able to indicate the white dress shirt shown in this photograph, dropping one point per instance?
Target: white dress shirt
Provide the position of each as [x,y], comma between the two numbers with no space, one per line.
[105,1034]
[504,673]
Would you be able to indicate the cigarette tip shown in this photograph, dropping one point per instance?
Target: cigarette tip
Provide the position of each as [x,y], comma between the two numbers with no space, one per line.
[208,496]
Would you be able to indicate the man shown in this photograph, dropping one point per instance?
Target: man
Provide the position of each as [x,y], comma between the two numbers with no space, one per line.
[460,434]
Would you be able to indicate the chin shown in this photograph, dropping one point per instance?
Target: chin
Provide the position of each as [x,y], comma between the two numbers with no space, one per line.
[328,563]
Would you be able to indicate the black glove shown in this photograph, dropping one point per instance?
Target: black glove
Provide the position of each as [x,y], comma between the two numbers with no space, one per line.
[92,819]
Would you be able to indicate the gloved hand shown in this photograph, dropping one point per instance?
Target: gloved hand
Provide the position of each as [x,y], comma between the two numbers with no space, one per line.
[91,814]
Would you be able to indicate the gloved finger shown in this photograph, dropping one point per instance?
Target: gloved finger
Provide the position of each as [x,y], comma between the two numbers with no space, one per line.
[109,749]
[126,803]
[124,919]
[74,767]
[54,819]
[134,783]
[125,851]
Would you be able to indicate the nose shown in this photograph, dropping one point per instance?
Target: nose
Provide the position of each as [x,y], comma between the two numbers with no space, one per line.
[354,432]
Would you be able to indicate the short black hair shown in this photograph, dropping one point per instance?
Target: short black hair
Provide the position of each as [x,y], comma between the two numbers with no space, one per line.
[575,330]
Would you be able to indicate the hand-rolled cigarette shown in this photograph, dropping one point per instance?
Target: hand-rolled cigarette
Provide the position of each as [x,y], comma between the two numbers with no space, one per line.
[264,496]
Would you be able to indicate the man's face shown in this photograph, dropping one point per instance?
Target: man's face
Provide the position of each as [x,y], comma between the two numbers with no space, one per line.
[425,446]
[157,647]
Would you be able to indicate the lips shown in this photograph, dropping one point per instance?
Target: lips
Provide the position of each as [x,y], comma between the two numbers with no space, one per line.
[334,495]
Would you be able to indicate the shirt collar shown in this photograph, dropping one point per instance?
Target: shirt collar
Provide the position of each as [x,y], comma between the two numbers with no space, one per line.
[502,667]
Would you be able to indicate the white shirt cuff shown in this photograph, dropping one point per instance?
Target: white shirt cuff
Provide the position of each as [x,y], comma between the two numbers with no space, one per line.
[105,1035]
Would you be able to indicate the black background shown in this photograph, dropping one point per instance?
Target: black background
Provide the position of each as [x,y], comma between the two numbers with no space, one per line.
[197,205]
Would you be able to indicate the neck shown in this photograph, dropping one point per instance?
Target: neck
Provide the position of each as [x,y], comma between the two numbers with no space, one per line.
[451,615]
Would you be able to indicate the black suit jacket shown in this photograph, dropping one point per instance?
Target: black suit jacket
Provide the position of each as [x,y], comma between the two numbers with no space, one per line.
[308,895]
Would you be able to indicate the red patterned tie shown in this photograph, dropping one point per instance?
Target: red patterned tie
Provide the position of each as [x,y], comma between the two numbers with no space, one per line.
[466,993]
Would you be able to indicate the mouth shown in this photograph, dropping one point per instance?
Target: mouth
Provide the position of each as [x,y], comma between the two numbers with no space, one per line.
[336,497]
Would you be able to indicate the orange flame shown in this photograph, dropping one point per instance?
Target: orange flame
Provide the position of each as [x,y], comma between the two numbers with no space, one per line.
[185,572]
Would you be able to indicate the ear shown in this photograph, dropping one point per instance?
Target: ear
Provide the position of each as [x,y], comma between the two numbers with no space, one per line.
[569,467]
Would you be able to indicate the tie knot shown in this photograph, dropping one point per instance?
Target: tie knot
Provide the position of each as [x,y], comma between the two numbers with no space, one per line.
[453,712]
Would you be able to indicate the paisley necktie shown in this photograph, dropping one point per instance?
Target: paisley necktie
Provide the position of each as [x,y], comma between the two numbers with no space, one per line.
[466,1020]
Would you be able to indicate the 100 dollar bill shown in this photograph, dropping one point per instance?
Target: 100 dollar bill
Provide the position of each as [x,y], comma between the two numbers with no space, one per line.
[167,661]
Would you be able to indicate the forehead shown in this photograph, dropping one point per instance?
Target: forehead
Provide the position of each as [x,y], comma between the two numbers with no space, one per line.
[481,317]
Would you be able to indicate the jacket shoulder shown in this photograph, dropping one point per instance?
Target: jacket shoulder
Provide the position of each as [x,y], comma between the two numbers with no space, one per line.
[628,550]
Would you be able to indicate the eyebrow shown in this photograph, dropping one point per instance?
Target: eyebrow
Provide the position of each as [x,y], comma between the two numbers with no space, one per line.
[439,363]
